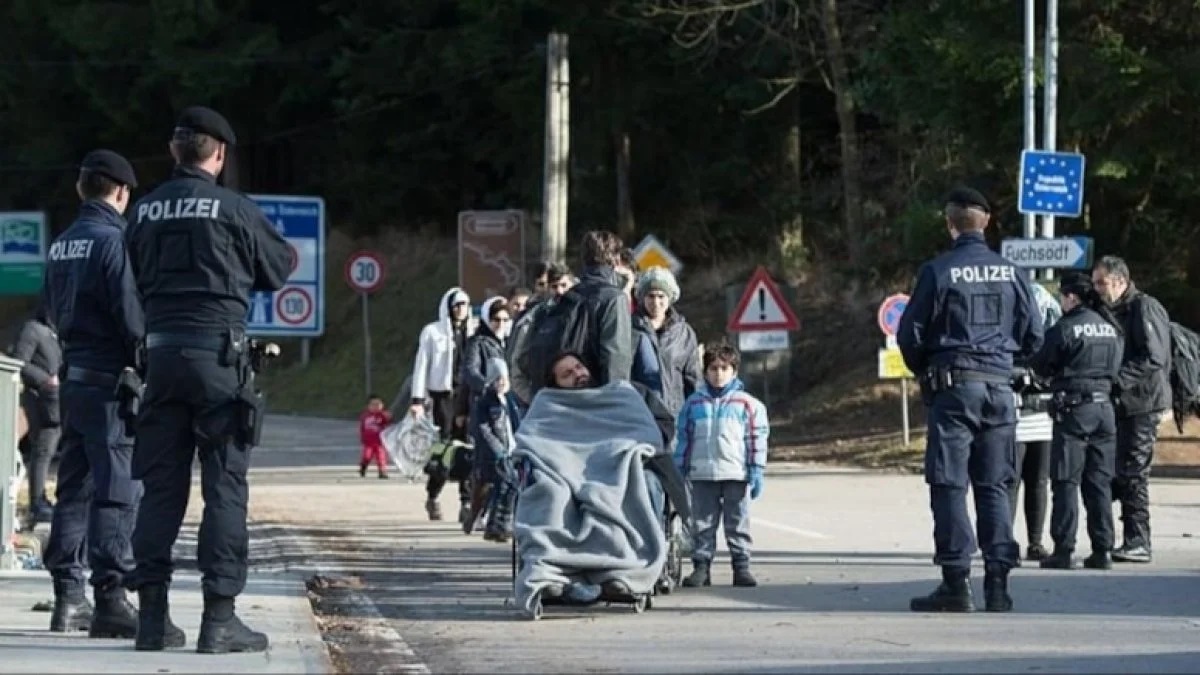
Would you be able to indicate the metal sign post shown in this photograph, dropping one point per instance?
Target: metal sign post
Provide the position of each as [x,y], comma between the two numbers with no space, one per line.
[364,273]
[891,362]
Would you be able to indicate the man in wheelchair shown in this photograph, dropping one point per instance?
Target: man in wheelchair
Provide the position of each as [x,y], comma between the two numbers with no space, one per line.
[593,516]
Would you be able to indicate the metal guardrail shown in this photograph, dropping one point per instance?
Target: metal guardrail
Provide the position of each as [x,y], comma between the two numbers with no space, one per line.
[10,401]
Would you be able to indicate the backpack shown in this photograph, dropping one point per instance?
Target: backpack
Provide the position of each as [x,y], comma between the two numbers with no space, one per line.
[1185,374]
[561,327]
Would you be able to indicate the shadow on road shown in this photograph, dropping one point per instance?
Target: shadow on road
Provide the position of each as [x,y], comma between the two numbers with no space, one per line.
[1178,662]
[422,571]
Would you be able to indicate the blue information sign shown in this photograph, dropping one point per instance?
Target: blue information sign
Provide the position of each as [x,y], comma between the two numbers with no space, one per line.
[297,309]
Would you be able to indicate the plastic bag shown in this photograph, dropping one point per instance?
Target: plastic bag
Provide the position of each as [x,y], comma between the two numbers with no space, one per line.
[410,443]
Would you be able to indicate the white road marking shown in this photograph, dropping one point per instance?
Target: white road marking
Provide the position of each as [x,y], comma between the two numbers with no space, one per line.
[788,528]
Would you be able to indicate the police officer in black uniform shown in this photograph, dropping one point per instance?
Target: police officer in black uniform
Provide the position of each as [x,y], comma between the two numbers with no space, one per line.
[198,250]
[970,312]
[1082,355]
[90,298]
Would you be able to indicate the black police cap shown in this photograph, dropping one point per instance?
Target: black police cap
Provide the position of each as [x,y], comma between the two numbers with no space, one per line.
[201,120]
[110,164]
[967,197]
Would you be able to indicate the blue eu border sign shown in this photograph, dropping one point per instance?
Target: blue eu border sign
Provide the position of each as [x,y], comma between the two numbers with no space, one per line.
[297,309]
[1051,183]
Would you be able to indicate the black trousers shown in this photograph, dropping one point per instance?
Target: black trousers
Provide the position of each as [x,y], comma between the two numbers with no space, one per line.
[972,428]
[446,407]
[1083,455]
[43,435]
[97,497]
[190,407]
[1136,436]
[1033,469]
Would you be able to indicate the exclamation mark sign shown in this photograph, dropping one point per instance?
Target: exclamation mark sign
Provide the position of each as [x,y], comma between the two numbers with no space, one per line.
[762,304]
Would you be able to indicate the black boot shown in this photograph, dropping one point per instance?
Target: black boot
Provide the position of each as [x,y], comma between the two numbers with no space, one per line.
[1098,560]
[699,576]
[742,576]
[1035,551]
[1060,560]
[953,595]
[995,589]
[155,631]
[114,616]
[72,612]
[221,631]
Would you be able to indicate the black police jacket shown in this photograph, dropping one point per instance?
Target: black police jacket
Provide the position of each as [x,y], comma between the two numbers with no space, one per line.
[89,291]
[1145,376]
[971,310]
[1082,353]
[198,251]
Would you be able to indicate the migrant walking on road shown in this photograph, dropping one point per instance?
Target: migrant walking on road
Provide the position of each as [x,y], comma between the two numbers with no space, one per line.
[198,251]
[1082,356]
[1144,383]
[970,313]
[436,376]
[90,298]
[371,423]
[666,357]
[603,287]
[554,283]
[486,344]
[494,423]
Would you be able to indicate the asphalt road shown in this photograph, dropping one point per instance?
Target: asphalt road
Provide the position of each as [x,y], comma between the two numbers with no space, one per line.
[838,554]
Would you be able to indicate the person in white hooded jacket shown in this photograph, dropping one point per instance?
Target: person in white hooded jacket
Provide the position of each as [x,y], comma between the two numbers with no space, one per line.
[435,377]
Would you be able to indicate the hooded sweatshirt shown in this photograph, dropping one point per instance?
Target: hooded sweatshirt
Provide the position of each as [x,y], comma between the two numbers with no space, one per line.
[434,369]
[483,346]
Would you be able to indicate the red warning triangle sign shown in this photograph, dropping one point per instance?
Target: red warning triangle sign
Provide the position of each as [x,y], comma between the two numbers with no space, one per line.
[762,307]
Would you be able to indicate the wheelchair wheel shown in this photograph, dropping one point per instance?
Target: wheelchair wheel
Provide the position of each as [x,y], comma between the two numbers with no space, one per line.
[641,603]
[535,613]
[673,570]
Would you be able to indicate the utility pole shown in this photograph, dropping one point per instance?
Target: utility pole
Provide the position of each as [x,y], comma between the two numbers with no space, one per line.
[1050,104]
[557,151]
[1030,98]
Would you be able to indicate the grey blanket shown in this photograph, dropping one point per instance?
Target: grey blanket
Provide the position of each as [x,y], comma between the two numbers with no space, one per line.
[587,517]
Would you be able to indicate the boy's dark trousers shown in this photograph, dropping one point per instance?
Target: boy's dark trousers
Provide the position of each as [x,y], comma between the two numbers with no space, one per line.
[714,503]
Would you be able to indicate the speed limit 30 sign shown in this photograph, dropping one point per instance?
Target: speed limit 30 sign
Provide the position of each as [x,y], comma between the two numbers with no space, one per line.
[364,271]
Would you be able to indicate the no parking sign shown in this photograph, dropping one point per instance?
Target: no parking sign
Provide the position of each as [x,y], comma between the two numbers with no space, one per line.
[890,311]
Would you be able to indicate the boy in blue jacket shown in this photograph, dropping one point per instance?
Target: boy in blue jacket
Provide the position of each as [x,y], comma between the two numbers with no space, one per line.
[721,448]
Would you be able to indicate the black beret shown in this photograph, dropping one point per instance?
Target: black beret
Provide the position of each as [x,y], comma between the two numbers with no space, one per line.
[110,164]
[1076,283]
[967,197]
[203,120]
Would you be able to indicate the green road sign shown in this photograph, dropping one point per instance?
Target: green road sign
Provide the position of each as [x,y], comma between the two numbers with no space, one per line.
[23,242]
